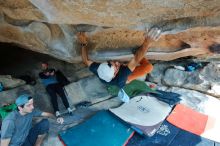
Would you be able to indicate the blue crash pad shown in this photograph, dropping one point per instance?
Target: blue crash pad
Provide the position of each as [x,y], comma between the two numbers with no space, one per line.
[103,129]
[170,135]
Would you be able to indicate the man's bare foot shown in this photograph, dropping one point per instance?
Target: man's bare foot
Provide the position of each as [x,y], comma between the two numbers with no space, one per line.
[82,38]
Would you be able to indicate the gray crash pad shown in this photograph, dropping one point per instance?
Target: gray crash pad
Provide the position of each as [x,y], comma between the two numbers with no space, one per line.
[88,89]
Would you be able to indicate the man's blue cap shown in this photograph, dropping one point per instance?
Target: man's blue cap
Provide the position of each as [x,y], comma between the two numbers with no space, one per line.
[22,99]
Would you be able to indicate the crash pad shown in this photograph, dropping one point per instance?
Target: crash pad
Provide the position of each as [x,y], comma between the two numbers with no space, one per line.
[143,112]
[89,89]
[102,129]
[188,119]
[206,125]
[170,135]
[211,107]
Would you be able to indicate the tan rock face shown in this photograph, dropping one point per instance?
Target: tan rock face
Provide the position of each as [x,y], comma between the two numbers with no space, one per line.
[50,27]
[111,13]
[116,39]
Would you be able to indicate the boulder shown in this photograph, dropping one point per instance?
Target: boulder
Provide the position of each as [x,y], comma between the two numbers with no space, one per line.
[9,82]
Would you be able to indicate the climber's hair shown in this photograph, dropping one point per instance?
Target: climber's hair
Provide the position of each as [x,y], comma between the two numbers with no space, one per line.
[44,62]
[109,63]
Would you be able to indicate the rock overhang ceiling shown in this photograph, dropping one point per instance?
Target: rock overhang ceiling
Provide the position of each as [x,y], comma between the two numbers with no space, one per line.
[190,28]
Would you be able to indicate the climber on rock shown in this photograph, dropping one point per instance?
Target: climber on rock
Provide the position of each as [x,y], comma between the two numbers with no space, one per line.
[115,73]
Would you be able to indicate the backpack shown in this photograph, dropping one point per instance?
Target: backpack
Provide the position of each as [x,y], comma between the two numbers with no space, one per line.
[28,79]
[6,109]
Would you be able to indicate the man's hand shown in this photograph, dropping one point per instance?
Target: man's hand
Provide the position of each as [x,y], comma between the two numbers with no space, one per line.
[84,52]
[52,73]
[46,73]
[153,34]
[60,120]
[82,38]
[5,142]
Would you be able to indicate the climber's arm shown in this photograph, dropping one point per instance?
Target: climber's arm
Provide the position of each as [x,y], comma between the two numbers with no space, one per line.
[84,54]
[83,39]
[152,35]
[139,54]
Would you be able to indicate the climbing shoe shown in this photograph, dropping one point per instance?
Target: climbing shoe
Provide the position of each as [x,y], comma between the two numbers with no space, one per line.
[57,114]
[70,110]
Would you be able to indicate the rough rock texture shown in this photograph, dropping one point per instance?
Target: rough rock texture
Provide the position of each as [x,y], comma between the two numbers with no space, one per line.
[193,99]
[9,96]
[109,13]
[205,80]
[50,26]
[9,82]
[42,100]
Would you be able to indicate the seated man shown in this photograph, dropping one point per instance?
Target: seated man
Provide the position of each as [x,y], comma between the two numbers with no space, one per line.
[115,73]
[53,87]
[17,127]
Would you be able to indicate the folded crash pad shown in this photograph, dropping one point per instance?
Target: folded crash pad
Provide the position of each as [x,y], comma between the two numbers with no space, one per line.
[198,123]
[143,112]
[170,135]
[103,129]
[188,119]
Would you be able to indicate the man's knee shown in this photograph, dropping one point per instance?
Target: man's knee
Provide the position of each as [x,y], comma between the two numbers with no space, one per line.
[49,89]
[43,126]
